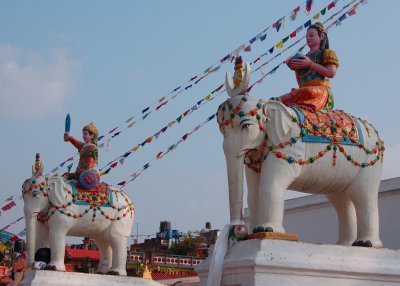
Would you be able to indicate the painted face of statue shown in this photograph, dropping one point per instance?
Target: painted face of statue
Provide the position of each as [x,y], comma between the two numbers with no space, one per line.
[313,39]
[87,136]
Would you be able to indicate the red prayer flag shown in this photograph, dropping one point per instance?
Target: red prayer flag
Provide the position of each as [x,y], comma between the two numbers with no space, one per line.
[331,5]
[14,238]
[257,59]
[352,11]
[247,49]
[6,227]
[193,78]
[186,112]
[121,183]
[159,155]
[293,34]
[219,88]
[111,131]
[8,206]
[184,137]
[113,165]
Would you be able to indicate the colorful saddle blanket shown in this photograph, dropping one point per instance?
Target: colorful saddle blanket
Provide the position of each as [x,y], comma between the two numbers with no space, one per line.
[327,127]
[101,195]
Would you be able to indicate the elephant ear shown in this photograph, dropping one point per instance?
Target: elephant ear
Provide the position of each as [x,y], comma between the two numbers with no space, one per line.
[279,121]
[57,190]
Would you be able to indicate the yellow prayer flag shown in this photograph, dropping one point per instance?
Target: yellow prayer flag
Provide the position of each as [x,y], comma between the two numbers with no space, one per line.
[316,16]
[279,45]
[135,148]
[208,97]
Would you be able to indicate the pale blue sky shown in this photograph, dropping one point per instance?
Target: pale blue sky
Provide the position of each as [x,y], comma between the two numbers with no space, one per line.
[104,61]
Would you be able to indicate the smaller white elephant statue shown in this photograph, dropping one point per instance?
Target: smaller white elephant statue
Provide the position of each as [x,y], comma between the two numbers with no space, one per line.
[268,138]
[53,212]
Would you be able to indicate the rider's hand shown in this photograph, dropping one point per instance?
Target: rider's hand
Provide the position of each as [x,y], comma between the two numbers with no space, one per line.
[299,64]
[66,136]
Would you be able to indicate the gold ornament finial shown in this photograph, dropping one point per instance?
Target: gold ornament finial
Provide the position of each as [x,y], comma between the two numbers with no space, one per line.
[37,162]
[238,75]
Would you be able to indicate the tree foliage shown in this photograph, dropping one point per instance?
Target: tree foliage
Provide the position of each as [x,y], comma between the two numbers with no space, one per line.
[187,246]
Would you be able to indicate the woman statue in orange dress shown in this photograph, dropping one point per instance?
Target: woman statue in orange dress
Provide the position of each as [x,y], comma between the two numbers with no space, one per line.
[86,176]
[313,72]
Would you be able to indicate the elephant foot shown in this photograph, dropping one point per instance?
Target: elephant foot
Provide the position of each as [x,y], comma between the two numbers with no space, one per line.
[362,243]
[263,229]
[113,273]
[50,267]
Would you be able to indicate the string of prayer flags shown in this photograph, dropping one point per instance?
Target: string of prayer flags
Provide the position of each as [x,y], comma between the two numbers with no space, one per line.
[161,155]
[163,101]
[184,137]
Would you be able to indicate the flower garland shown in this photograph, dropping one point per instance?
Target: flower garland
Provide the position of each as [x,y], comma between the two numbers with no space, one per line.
[96,206]
[335,144]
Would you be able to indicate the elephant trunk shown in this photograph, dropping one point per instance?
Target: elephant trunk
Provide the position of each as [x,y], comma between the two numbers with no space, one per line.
[31,225]
[234,164]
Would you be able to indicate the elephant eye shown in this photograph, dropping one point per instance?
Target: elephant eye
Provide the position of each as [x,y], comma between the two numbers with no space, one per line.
[246,125]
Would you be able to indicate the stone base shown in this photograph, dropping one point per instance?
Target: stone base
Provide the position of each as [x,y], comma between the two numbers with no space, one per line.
[44,278]
[280,262]
[273,235]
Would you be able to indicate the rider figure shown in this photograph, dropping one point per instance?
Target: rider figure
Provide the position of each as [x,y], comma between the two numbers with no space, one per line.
[313,72]
[85,174]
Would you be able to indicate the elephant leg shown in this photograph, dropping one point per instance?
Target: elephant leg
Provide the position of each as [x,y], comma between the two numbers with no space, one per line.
[105,255]
[276,176]
[119,255]
[57,247]
[346,217]
[253,180]
[364,195]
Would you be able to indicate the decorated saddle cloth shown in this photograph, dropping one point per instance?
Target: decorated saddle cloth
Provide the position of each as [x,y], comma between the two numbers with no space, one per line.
[336,126]
[101,195]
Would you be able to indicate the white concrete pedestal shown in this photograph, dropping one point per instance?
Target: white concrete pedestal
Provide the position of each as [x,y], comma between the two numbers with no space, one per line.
[278,262]
[44,278]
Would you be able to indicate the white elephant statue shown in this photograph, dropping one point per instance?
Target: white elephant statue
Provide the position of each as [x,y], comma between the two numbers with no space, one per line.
[52,212]
[267,139]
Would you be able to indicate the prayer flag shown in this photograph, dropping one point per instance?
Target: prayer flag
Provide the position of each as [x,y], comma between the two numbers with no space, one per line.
[8,206]
[116,134]
[193,78]
[121,183]
[309,5]
[248,48]
[293,34]
[323,11]
[208,97]
[159,155]
[70,167]
[179,119]
[121,161]
[184,137]
[189,86]
[331,5]
[271,50]
[262,38]
[100,137]
[163,129]
[279,45]
[112,130]
[285,39]
[307,24]
[113,165]
[134,149]
[316,16]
